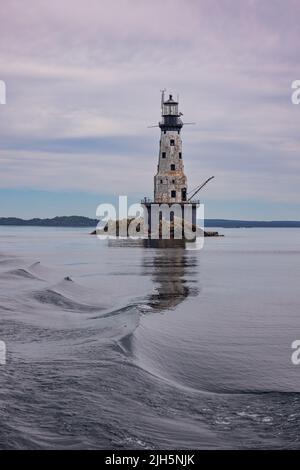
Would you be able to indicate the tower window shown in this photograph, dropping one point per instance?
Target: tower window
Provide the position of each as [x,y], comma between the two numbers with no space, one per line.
[173,193]
[165,132]
[180,155]
[161,181]
[163,155]
[172,142]
[173,181]
[172,167]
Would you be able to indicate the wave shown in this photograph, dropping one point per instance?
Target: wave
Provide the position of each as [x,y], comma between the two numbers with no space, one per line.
[34,271]
[19,273]
[44,272]
[51,297]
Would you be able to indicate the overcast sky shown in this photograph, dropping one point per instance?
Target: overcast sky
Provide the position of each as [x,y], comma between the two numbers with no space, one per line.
[83,83]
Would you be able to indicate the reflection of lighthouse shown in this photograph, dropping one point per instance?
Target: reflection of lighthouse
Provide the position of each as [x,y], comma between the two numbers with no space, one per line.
[170,269]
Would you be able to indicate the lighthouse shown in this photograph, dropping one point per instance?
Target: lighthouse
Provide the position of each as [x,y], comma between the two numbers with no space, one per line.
[172,212]
[170,182]
[171,202]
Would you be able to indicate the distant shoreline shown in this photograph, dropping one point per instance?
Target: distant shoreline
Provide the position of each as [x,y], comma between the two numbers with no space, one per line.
[79,221]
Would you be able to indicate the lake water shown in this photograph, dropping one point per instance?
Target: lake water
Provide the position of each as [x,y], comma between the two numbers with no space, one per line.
[118,346]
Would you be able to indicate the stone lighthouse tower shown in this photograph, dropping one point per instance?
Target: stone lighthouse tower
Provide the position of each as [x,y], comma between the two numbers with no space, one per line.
[171,202]
[170,183]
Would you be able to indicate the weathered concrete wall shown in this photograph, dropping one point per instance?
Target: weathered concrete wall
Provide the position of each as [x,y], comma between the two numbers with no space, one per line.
[167,180]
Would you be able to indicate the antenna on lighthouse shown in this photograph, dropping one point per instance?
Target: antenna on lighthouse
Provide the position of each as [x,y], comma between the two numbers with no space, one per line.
[162,98]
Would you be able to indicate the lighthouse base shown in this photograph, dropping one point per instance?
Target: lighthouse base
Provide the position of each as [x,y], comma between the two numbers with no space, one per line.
[171,221]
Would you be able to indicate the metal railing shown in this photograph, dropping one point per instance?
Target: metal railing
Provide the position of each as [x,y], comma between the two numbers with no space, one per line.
[148,200]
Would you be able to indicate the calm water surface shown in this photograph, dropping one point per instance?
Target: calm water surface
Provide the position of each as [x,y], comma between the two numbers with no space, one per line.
[111,345]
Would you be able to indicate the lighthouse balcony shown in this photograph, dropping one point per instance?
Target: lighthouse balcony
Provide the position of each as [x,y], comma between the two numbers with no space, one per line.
[148,201]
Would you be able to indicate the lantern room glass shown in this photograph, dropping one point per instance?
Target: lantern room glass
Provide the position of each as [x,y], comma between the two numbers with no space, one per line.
[170,110]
